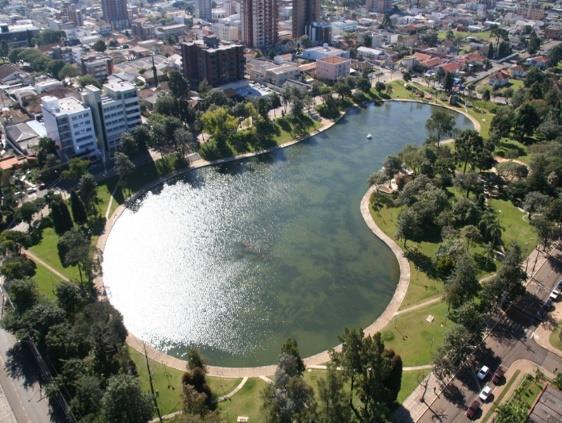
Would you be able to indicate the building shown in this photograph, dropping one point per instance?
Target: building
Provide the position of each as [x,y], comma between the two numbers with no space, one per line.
[258,19]
[115,13]
[319,32]
[98,66]
[305,12]
[209,60]
[332,68]
[115,110]
[315,53]
[205,10]
[548,407]
[70,124]
[18,35]
[142,30]
[267,72]
[379,6]
[227,29]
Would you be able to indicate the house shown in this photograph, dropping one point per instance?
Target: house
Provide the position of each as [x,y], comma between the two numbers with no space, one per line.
[451,67]
[518,72]
[10,74]
[24,137]
[421,61]
[332,68]
[538,61]
[499,79]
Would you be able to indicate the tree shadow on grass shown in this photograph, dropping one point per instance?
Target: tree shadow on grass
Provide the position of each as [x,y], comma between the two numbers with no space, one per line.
[421,261]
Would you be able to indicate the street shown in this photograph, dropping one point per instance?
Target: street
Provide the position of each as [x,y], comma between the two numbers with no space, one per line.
[510,339]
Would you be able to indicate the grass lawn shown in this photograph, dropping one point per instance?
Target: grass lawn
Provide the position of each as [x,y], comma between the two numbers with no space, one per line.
[515,226]
[400,92]
[247,402]
[484,35]
[46,281]
[410,381]
[509,148]
[554,339]
[167,382]
[414,338]
[47,251]
[422,286]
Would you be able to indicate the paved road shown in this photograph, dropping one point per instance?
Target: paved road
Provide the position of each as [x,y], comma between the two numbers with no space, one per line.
[22,391]
[510,340]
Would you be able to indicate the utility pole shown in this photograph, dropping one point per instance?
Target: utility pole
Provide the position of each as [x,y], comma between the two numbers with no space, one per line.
[151,385]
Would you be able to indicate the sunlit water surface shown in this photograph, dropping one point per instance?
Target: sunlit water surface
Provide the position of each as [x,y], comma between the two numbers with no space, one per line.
[235,259]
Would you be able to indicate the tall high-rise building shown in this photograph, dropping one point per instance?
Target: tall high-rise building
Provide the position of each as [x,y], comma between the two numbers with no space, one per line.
[70,125]
[115,13]
[205,10]
[213,62]
[304,13]
[380,6]
[258,20]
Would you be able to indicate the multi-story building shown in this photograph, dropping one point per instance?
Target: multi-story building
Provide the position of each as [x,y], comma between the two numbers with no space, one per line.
[332,68]
[258,20]
[70,124]
[115,13]
[379,6]
[98,66]
[227,29]
[115,110]
[142,30]
[304,13]
[319,32]
[211,61]
[205,10]
[18,35]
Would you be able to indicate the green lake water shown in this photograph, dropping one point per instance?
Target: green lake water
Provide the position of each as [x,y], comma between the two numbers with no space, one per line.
[234,259]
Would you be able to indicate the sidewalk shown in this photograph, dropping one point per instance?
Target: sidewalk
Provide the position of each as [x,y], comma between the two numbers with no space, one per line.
[544,330]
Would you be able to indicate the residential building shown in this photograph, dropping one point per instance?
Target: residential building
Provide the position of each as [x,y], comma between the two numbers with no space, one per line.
[499,79]
[115,110]
[332,68]
[205,10]
[18,35]
[315,53]
[227,29]
[115,13]
[209,60]
[258,20]
[267,72]
[305,12]
[142,30]
[98,66]
[70,124]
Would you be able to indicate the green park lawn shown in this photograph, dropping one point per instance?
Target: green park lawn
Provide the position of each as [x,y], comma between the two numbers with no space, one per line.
[484,35]
[515,225]
[246,402]
[167,382]
[46,249]
[46,281]
[554,339]
[413,337]
[410,381]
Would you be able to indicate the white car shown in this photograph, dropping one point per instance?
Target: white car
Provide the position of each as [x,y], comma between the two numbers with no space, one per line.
[483,372]
[485,393]
[554,294]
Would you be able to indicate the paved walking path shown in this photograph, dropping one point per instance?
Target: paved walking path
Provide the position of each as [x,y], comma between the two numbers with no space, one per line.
[419,305]
[37,260]
[545,329]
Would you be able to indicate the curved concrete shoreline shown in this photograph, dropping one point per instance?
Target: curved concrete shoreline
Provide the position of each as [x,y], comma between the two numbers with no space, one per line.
[316,359]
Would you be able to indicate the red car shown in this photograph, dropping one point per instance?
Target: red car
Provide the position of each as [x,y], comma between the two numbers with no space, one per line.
[498,376]
[473,409]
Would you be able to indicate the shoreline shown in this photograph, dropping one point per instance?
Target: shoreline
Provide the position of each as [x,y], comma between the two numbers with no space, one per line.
[317,359]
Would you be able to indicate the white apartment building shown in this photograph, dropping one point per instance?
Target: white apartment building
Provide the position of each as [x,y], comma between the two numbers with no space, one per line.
[70,124]
[115,110]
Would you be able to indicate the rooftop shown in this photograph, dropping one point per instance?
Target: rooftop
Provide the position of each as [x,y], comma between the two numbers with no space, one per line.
[335,60]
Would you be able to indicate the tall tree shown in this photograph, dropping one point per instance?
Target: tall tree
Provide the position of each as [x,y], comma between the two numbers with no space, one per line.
[441,123]
[462,285]
[78,209]
[333,403]
[60,215]
[124,167]
[87,191]
[124,401]
[179,87]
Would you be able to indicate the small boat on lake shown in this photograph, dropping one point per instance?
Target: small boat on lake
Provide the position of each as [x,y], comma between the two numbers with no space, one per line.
[369,136]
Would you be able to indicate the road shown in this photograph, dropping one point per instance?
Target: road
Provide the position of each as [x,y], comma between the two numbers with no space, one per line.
[510,340]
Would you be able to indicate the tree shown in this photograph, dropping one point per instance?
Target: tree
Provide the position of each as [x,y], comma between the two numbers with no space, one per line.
[4,49]
[60,215]
[78,209]
[289,398]
[124,167]
[23,294]
[535,202]
[88,80]
[508,282]
[391,166]
[333,404]
[448,82]
[74,250]
[183,140]
[100,46]
[70,297]
[502,122]
[219,123]
[76,168]
[469,148]
[490,227]
[458,347]
[534,43]
[124,401]
[290,347]
[87,191]
[511,412]
[198,399]
[373,373]
[526,120]
[441,123]
[462,285]
[68,71]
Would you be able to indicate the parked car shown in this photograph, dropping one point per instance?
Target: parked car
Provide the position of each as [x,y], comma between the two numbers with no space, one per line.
[559,287]
[548,306]
[483,372]
[498,376]
[485,393]
[554,294]
[473,409]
